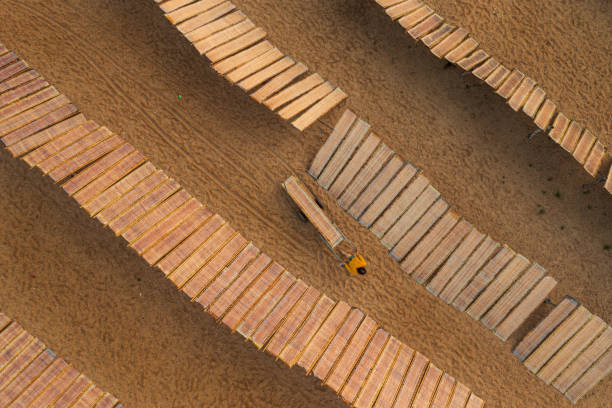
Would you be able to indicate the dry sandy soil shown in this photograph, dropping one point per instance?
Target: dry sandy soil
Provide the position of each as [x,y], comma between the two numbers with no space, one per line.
[97,304]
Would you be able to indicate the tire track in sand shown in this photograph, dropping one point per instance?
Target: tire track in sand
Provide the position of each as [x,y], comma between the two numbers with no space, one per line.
[155,127]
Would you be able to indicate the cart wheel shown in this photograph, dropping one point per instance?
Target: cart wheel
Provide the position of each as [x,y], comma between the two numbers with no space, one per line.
[361,271]
[302,216]
[319,203]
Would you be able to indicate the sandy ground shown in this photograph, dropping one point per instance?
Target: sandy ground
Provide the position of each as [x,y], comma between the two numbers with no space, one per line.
[98,305]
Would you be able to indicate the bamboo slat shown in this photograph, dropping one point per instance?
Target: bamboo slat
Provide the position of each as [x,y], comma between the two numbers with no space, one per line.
[378,375]
[545,114]
[279,82]
[574,130]
[24,91]
[213,268]
[444,391]
[586,142]
[355,163]
[236,289]
[412,380]
[422,250]
[460,397]
[55,390]
[449,43]
[85,158]
[482,279]
[139,209]
[305,101]
[556,339]
[469,269]
[188,268]
[278,314]
[266,304]
[319,109]
[22,380]
[455,261]
[400,205]
[593,162]
[13,140]
[536,336]
[256,65]
[519,97]
[351,354]
[251,295]
[378,184]
[265,74]
[179,254]
[410,217]
[471,61]
[426,26]
[8,83]
[185,12]
[462,50]
[498,286]
[236,45]
[293,321]
[525,308]
[294,91]
[366,363]
[388,195]
[404,7]
[117,172]
[308,328]
[571,349]
[78,387]
[410,20]
[164,227]
[486,69]
[513,296]
[590,379]
[438,255]
[205,31]
[29,393]
[111,162]
[534,102]
[585,360]
[365,175]
[432,39]
[312,211]
[243,57]
[391,387]
[206,17]
[334,140]
[223,280]
[155,215]
[418,231]
[55,138]
[335,348]
[132,195]
[324,335]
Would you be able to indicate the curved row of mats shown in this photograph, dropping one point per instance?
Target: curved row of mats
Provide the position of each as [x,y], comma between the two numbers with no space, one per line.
[434,245]
[521,92]
[213,264]
[31,375]
[239,51]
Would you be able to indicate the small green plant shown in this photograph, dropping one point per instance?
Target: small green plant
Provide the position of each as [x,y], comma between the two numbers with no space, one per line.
[542,211]
[607,247]
[558,194]
[562,227]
